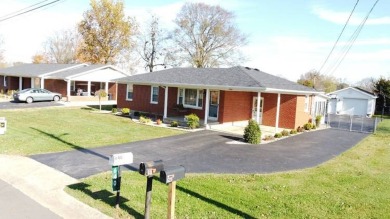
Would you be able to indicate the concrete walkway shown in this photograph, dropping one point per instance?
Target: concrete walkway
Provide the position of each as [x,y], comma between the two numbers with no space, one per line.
[41,184]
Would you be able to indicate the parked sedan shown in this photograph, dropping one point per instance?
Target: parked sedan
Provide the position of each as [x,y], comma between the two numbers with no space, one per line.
[36,94]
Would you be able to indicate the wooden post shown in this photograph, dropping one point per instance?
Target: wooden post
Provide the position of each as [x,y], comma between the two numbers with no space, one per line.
[148,197]
[171,200]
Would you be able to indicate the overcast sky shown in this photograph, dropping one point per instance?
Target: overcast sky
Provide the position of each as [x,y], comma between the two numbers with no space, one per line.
[286,38]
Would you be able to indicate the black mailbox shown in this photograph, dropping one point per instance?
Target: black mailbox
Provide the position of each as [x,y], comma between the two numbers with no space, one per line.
[151,167]
[172,174]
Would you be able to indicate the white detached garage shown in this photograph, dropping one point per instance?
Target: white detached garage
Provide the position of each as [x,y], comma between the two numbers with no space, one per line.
[352,101]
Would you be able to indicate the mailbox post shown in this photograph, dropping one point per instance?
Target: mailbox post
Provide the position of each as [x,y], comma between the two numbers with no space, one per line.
[170,176]
[116,160]
[148,169]
[3,125]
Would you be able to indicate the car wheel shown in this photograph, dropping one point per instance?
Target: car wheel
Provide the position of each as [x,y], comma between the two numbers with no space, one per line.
[56,98]
[29,100]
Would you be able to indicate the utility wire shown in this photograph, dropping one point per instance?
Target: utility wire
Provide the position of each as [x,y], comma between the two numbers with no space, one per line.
[33,9]
[353,38]
[345,25]
[10,14]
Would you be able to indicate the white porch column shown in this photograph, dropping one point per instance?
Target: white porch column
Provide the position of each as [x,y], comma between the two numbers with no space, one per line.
[258,107]
[68,82]
[277,113]
[166,103]
[32,83]
[42,83]
[206,111]
[106,87]
[89,88]
[20,83]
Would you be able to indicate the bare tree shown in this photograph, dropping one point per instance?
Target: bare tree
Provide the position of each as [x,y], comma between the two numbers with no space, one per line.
[62,47]
[106,32]
[207,36]
[367,84]
[152,45]
[320,81]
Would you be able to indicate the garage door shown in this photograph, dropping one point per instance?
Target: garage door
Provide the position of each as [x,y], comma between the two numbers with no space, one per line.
[353,106]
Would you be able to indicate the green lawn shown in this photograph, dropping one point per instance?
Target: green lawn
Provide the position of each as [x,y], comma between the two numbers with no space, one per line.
[352,185]
[34,131]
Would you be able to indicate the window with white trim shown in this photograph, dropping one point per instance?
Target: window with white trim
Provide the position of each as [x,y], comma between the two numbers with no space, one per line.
[180,96]
[129,92]
[190,98]
[154,94]
[306,103]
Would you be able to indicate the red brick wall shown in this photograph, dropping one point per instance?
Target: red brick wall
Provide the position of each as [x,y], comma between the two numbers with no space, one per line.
[287,111]
[141,101]
[235,106]
[269,109]
[58,86]
[26,83]
[112,90]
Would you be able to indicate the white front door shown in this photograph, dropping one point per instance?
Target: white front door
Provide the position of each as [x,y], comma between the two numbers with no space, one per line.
[214,105]
[254,109]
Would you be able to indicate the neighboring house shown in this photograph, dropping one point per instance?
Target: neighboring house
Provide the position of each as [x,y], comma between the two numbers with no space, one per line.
[352,101]
[73,81]
[222,95]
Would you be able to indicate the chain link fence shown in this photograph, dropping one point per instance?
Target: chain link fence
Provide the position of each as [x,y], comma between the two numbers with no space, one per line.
[352,123]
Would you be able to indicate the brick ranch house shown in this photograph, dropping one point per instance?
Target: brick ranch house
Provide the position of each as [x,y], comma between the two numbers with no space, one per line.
[74,81]
[218,95]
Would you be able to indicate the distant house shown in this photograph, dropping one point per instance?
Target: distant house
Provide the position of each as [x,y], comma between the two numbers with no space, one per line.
[218,95]
[73,81]
[319,107]
[352,101]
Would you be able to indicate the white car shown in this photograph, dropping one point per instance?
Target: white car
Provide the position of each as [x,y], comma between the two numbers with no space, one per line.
[36,94]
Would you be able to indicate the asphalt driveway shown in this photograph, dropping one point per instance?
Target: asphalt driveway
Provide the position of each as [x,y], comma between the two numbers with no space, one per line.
[23,105]
[212,152]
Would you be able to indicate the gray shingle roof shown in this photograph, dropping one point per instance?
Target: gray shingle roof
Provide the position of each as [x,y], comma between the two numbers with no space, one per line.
[234,78]
[75,71]
[34,70]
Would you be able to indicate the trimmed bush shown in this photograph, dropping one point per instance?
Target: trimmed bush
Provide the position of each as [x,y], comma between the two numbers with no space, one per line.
[252,132]
[136,113]
[174,124]
[313,126]
[285,132]
[144,120]
[278,135]
[125,111]
[269,138]
[192,121]
[299,129]
[293,132]
[307,126]
[318,120]
[114,110]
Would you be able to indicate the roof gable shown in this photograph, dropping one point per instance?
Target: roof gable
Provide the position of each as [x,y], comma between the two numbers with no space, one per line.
[351,92]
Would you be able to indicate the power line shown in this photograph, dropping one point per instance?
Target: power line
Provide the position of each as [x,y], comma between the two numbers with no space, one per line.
[10,14]
[30,10]
[345,25]
[353,38]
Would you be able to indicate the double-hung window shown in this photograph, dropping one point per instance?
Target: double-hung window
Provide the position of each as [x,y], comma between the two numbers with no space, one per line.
[154,95]
[129,92]
[307,103]
[190,98]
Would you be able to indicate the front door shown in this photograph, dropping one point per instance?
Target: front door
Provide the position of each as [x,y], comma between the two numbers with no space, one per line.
[254,109]
[214,105]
